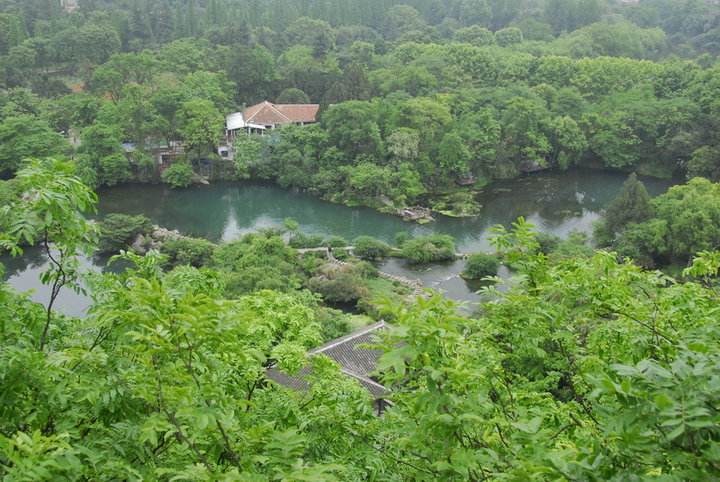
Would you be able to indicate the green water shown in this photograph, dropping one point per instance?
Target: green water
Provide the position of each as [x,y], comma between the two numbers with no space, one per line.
[556,203]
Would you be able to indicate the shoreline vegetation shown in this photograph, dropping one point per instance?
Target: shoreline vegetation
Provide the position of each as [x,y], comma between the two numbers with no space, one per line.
[405,114]
[189,320]
[591,362]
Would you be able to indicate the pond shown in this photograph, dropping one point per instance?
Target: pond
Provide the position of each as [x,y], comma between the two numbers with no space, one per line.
[556,203]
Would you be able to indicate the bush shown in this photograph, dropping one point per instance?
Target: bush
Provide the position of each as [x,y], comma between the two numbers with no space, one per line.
[300,240]
[255,263]
[370,248]
[178,175]
[480,265]
[548,242]
[425,249]
[118,231]
[344,283]
[344,286]
[337,242]
[575,247]
[9,191]
[401,238]
[333,323]
[187,251]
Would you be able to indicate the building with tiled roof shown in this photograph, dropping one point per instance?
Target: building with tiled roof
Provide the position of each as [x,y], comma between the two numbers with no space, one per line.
[265,115]
[355,362]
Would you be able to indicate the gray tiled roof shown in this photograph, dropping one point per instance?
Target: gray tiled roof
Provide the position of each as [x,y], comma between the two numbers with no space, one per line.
[355,362]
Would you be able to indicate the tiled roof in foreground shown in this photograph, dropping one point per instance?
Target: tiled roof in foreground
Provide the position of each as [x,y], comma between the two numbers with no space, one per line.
[354,361]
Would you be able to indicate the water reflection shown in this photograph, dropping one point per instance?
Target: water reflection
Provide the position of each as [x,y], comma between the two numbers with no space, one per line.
[555,203]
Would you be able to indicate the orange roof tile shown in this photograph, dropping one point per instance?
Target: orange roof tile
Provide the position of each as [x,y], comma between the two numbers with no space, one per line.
[267,113]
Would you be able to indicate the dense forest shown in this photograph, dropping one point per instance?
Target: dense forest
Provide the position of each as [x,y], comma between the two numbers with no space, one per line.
[589,365]
[414,97]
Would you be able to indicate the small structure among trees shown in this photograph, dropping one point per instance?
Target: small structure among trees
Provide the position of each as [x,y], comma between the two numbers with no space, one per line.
[265,115]
[354,360]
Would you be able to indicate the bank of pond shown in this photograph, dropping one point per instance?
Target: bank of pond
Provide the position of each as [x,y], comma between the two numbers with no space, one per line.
[557,204]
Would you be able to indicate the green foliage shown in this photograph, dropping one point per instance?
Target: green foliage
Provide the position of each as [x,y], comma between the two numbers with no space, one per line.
[426,249]
[508,36]
[340,284]
[337,242]
[26,136]
[9,191]
[186,251]
[256,262]
[179,174]
[300,240]
[631,205]
[292,96]
[370,248]
[334,323]
[401,238]
[201,126]
[118,231]
[573,248]
[50,214]
[585,370]
[480,265]
[685,222]
[475,35]
[706,263]
[547,242]
[586,359]
[705,162]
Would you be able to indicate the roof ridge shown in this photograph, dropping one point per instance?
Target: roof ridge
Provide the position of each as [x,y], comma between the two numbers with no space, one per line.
[272,106]
[365,379]
[348,337]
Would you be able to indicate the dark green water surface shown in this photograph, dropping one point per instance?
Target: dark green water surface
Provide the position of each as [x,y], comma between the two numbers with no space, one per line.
[557,203]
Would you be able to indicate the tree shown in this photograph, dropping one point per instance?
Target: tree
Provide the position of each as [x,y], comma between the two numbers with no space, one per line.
[426,249]
[248,153]
[401,19]
[292,96]
[692,216]
[403,145]
[118,231]
[524,131]
[179,174]
[480,265]
[612,139]
[508,36]
[705,162]
[535,347]
[474,12]
[98,41]
[631,205]
[314,33]
[256,262]
[475,35]
[253,71]
[186,251]
[428,117]
[342,285]
[368,179]
[185,55]
[567,140]
[454,158]
[353,128]
[102,160]
[50,214]
[25,136]
[201,126]
[370,248]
